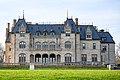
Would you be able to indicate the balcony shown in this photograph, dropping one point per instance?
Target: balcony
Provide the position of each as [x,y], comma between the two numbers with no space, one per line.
[44,49]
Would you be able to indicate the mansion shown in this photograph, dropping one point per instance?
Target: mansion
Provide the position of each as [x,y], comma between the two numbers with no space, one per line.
[58,43]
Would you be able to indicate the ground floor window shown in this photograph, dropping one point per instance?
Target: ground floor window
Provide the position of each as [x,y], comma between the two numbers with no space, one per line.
[52,58]
[94,57]
[84,57]
[68,57]
[22,58]
[45,58]
[37,58]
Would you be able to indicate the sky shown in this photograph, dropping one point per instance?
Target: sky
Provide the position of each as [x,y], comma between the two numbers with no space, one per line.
[105,14]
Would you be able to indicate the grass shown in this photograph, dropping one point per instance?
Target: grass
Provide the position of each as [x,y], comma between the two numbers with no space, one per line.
[59,74]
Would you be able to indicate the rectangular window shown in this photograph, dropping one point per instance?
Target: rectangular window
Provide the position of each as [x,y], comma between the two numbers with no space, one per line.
[67,33]
[94,57]
[22,34]
[84,57]
[104,48]
[67,59]
[94,45]
[83,45]
[88,36]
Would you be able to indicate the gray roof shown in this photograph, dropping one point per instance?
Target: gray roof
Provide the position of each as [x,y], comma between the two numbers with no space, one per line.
[59,28]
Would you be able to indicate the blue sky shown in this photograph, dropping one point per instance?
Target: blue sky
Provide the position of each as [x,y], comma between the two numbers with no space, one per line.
[102,13]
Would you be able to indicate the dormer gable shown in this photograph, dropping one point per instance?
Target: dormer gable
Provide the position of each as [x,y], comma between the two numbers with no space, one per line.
[22,28]
[88,33]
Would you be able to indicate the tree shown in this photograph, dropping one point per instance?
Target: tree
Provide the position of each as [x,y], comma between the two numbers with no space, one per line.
[118,53]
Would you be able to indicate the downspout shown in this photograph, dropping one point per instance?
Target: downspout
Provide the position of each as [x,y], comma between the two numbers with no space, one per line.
[75,48]
[108,55]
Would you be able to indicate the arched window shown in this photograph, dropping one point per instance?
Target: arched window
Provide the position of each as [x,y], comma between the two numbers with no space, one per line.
[52,58]
[68,44]
[22,57]
[45,58]
[38,58]
[37,45]
[37,33]
[52,45]
[22,44]
[68,57]
[45,45]
[45,33]
[52,33]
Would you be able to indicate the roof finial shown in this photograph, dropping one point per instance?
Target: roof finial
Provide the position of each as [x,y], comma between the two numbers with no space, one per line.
[23,14]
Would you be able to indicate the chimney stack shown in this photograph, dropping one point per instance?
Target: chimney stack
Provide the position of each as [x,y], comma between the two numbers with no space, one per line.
[8,27]
[6,33]
[14,22]
[76,21]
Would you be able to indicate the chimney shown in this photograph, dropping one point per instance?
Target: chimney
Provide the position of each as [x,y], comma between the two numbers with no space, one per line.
[6,33]
[14,22]
[8,27]
[76,21]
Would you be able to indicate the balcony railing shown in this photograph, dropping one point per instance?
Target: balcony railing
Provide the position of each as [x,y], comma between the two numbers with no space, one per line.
[46,49]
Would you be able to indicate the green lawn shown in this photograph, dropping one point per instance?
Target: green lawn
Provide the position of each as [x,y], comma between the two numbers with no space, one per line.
[59,74]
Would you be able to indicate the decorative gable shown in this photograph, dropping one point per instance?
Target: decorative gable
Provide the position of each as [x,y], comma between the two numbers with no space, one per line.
[88,33]
[22,28]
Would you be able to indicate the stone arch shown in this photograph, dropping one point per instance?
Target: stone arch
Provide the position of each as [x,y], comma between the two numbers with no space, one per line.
[22,58]
[52,58]
[68,57]
[58,58]
[31,58]
[37,58]
[45,58]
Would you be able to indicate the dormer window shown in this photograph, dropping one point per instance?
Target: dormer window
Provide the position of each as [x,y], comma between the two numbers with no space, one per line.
[52,33]
[38,33]
[45,33]
[88,36]
[103,38]
[88,33]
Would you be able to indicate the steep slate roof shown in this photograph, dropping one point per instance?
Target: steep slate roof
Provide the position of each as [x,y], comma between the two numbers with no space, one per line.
[83,29]
[109,38]
[59,28]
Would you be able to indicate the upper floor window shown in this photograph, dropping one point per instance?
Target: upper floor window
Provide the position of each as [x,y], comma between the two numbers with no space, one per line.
[45,45]
[22,44]
[68,44]
[67,33]
[22,34]
[94,45]
[104,48]
[52,45]
[38,45]
[94,57]
[83,45]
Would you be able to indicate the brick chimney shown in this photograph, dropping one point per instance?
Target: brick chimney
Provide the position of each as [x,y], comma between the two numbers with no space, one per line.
[76,21]
[7,30]
[8,27]
[14,22]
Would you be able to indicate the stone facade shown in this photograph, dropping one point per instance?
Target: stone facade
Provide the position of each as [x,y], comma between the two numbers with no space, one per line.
[58,43]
